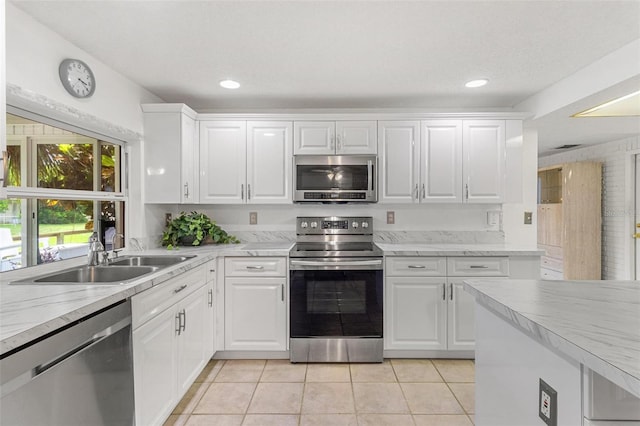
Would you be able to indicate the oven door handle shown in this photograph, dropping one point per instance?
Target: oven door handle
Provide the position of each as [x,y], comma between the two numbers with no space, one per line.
[313,263]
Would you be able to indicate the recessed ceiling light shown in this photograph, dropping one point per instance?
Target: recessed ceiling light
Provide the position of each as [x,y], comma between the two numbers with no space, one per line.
[624,106]
[229,84]
[477,83]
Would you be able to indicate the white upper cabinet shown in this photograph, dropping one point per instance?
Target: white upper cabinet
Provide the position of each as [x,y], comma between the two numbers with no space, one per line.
[334,137]
[269,162]
[223,152]
[398,161]
[245,162]
[170,149]
[441,161]
[484,160]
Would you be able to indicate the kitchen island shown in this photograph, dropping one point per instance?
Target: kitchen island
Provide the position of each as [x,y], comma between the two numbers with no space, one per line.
[570,334]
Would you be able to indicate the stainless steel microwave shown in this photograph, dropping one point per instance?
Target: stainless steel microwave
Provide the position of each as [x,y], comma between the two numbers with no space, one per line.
[335,178]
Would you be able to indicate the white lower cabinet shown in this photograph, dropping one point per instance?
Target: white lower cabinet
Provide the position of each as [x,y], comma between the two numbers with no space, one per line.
[169,343]
[255,307]
[416,316]
[426,306]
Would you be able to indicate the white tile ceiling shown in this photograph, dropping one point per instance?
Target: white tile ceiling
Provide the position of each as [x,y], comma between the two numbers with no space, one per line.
[344,54]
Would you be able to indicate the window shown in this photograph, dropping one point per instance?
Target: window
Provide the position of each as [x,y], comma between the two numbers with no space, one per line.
[63,185]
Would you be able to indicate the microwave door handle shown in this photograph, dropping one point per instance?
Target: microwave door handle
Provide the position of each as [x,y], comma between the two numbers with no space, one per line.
[370,175]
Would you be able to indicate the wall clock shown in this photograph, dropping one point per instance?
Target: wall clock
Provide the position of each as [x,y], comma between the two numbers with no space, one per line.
[77,78]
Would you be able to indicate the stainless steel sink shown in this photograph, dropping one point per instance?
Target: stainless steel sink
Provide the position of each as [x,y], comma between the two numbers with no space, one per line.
[142,260]
[91,275]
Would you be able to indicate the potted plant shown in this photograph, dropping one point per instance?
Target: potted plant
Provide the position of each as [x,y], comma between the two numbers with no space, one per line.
[194,229]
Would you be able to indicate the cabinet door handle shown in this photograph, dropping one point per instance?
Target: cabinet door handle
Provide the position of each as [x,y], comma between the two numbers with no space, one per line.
[338,147]
[416,191]
[248,191]
[466,189]
[450,291]
[478,267]
[282,292]
[178,323]
[183,314]
[210,298]
[242,191]
[179,289]
[444,291]
[255,268]
[416,266]
[186,190]
[332,143]
[424,192]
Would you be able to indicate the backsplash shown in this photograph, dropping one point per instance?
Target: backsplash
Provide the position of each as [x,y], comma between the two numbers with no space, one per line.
[447,237]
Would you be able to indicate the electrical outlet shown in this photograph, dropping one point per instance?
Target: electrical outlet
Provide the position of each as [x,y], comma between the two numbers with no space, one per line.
[253,218]
[548,404]
[528,218]
[167,218]
[391,218]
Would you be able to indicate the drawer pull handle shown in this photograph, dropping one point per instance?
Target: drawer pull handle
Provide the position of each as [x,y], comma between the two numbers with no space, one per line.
[255,268]
[450,291]
[416,266]
[444,291]
[479,267]
[179,289]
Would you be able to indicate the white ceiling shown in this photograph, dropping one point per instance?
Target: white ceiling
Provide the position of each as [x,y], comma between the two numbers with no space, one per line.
[356,54]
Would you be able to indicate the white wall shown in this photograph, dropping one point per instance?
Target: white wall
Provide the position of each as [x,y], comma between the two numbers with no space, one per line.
[617,207]
[33,53]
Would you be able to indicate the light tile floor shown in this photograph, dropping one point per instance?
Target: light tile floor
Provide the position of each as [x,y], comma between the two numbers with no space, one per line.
[398,392]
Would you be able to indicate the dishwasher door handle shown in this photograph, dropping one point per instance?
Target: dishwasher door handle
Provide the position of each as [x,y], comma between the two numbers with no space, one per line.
[39,369]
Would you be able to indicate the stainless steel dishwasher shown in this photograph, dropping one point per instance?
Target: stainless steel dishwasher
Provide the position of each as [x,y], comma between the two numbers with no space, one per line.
[81,375]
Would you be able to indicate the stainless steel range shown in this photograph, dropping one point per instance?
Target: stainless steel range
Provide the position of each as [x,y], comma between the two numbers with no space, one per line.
[336,291]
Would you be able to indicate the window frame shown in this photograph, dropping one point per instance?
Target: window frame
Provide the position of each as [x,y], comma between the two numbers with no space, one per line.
[28,195]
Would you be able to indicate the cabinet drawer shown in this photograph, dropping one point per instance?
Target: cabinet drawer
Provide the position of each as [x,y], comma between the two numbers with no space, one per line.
[478,266]
[154,301]
[252,266]
[416,266]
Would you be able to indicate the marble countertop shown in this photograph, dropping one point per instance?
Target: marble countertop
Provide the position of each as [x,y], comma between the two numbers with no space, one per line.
[597,323]
[31,311]
[445,249]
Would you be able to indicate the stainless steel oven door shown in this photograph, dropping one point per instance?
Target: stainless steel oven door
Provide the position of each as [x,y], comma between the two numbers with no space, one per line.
[336,309]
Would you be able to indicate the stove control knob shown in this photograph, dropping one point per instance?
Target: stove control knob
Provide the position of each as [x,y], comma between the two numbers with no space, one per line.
[365,224]
[314,224]
[354,225]
[303,224]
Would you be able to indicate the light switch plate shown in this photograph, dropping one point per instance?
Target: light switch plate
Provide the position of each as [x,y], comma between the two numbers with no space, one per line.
[391,217]
[547,404]
[493,218]
[253,218]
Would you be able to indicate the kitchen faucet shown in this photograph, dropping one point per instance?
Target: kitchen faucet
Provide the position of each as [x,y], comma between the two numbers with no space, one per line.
[95,248]
[113,244]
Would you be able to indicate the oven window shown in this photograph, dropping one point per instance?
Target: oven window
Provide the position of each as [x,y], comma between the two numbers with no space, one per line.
[337,297]
[336,303]
[324,177]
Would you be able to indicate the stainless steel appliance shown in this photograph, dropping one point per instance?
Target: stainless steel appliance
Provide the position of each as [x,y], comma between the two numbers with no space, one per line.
[81,375]
[335,178]
[336,291]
